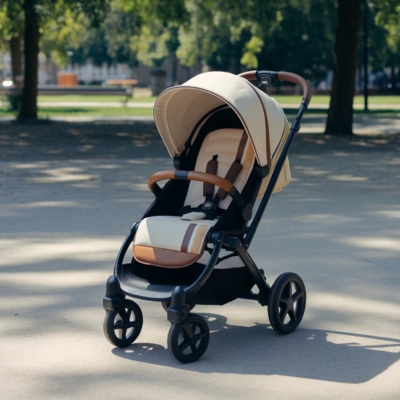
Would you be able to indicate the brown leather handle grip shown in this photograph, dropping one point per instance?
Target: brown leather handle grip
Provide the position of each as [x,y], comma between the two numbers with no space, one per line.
[249,75]
[299,80]
[191,176]
[285,76]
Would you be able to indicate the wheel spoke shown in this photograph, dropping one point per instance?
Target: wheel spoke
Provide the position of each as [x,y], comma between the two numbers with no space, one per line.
[132,324]
[283,313]
[118,324]
[287,292]
[198,337]
[184,345]
[123,314]
[297,295]
[290,289]
[189,331]
[293,315]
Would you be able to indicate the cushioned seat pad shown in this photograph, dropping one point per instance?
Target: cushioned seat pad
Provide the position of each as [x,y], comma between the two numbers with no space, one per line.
[169,241]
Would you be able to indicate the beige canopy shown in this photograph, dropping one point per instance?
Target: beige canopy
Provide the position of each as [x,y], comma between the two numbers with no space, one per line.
[178,109]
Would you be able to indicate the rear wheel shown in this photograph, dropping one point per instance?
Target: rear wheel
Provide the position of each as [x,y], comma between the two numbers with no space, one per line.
[287,303]
[189,340]
[123,327]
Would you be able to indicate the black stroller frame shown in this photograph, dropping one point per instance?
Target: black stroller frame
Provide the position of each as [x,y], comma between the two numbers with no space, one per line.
[188,337]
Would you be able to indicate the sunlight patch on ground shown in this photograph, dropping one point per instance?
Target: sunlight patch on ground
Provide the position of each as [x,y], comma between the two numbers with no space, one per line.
[55,279]
[389,213]
[140,186]
[29,251]
[348,178]
[364,342]
[378,243]
[352,308]
[64,175]
[50,204]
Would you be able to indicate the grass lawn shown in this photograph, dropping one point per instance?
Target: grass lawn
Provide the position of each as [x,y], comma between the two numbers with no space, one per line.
[46,112]
[97,99]
[318,99]
[85,111]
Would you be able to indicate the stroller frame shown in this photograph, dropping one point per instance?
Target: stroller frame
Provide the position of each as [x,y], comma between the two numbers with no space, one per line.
[189,332]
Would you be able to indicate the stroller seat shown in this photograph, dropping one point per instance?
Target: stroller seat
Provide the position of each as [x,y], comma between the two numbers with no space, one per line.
[168,241]
[172,241]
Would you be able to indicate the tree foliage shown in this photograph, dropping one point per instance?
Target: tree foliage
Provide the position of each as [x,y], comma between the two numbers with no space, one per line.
[293,35]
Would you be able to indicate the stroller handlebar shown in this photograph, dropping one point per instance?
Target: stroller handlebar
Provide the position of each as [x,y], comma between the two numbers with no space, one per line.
[191,176]
[282,76]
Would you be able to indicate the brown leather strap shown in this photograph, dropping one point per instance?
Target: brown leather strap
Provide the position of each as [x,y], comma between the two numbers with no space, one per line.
[187,237]
[242,145]
[235,168]
[230,176]
[212,167]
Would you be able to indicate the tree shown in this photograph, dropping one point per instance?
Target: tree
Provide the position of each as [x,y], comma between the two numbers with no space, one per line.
[388,17]
[157,23]
[28,108]
[340,115]
[224,35]
[11,28]
[109,42]
[35,12]
[301,38]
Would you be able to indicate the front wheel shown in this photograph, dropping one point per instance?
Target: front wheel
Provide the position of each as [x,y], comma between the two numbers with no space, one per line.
[188,341]
[123,327]
[287,303]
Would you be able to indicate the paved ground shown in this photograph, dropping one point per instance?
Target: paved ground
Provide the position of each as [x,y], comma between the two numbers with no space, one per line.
[70,192]
[312,123]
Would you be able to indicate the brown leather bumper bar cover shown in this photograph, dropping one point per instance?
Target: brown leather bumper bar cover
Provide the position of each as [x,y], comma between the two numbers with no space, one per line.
[191,176]
[285,76]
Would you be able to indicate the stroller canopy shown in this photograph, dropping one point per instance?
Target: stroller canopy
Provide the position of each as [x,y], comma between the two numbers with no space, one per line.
[178,110]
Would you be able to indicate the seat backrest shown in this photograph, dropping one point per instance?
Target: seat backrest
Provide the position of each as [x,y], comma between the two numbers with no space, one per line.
[229,144]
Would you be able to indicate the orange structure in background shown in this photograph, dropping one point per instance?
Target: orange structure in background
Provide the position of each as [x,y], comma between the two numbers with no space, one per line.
[67,79]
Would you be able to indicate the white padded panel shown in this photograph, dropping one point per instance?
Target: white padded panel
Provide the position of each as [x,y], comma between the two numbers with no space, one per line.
[168,232]
[224,143]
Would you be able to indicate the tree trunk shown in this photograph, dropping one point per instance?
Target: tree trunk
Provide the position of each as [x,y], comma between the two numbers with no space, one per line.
[28,108]
[16,58]
[340,115]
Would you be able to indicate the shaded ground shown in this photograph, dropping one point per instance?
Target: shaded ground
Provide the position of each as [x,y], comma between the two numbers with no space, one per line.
[110,140]
[70,192]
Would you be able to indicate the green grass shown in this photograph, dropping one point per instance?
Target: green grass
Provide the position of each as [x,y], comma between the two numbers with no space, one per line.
[84,112]
[46,112]
[94,98]
[317,99]
[93,112]
[127,112]
[320,99]
[384,113]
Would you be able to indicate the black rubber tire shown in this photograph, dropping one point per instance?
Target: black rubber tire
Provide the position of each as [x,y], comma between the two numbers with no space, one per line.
[189,340]
[287,303]
[123,327]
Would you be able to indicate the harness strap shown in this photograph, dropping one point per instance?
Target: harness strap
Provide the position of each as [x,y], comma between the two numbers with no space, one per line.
[212,166]
[235,168]
[208,210]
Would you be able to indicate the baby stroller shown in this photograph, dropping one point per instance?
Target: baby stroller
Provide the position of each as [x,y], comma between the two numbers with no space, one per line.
[229,142]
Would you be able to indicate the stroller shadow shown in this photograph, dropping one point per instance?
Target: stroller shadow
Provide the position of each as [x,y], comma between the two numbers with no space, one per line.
[306,353]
